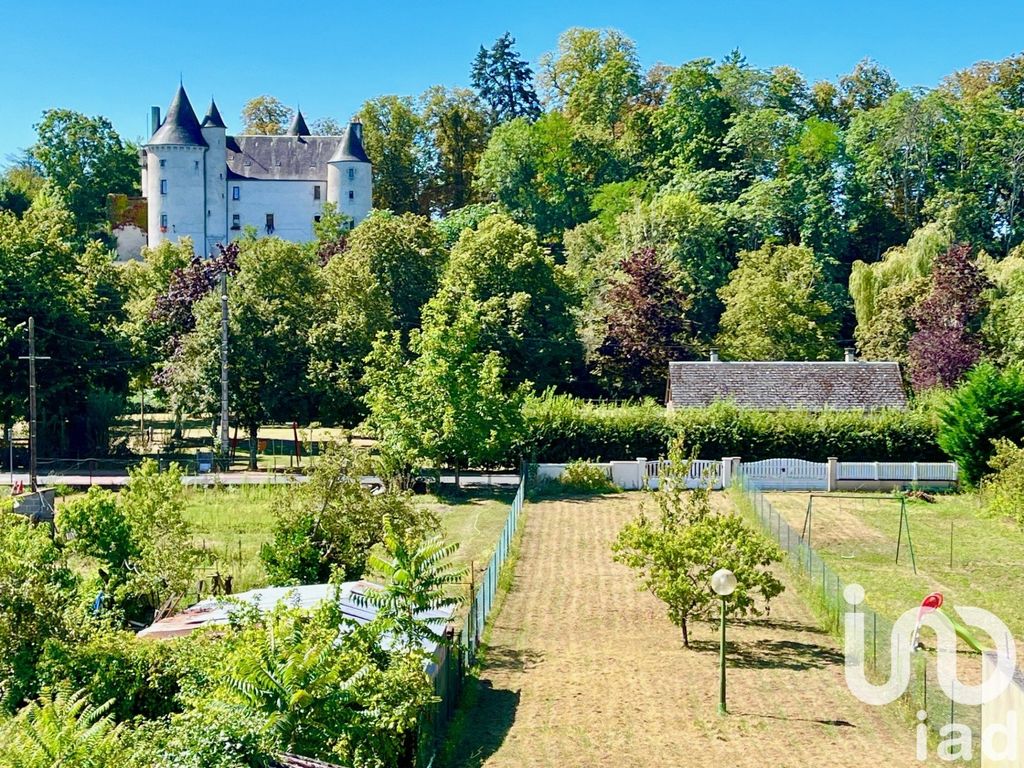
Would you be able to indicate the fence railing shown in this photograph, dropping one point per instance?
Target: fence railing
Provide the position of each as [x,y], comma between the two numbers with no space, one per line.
[460,654]
[828,592]
[908,471]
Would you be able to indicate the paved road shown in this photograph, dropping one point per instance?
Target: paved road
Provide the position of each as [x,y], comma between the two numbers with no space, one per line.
[118,479]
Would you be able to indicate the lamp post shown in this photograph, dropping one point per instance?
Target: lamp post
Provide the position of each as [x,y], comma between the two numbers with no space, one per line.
[723,584]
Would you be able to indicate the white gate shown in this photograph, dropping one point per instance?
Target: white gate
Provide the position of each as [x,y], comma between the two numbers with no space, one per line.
[787,474]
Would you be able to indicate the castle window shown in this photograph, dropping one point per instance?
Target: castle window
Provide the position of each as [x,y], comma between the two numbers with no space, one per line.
[351,195]
[236,193]
[316,218]
[163,222]
[351,174]
[163,163]
[163,186]
[197,165]
[236,221]
[316,191]
[270,224]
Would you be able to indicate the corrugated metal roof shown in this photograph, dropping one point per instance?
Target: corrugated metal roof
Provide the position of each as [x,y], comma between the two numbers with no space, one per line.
[788,385]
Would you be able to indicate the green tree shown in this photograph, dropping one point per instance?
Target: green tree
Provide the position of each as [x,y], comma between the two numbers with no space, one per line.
[525,300]
[778,306]
[394,137]
[458,129]
[448,404]
[676,553]
[83,160]
[594,76]
[274,302]
[504,81]
[265,116]
[988,405]
[333,522]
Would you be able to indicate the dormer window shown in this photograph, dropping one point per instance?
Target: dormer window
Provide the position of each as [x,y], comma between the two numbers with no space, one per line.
[163,186]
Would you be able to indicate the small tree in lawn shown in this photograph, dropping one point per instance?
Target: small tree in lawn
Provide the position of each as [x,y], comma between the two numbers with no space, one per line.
[675,554]
[646,325]
[448,404]
[947,342]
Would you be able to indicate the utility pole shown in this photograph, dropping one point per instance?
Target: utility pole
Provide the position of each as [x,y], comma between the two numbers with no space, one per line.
[32,423]
[224,364]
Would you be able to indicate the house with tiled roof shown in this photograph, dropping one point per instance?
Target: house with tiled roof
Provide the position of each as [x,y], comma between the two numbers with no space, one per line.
[849,385]
[199,182]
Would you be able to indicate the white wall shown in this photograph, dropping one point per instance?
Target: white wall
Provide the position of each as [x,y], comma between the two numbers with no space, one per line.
[339,185]
[216,189]
[183,203]
[291,202]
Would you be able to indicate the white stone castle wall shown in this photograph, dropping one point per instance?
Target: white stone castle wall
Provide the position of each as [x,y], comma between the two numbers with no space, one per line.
[291,202]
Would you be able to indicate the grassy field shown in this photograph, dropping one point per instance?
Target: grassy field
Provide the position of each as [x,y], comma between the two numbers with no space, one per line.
[233,523]
[857,539]
[584,670]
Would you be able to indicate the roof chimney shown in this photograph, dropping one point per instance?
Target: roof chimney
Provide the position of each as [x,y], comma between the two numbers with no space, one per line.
[850,355]
[714,354]
[154,119]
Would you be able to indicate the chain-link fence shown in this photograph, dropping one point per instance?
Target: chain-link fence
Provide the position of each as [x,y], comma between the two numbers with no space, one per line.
[826,590]
[460,654]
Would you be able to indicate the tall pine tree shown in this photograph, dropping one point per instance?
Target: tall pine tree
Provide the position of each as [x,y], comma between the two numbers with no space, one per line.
[504,81]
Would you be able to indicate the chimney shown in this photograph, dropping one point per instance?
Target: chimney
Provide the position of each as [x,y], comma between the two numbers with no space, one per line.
[714,354]
[154,119]
[357,127]
[850,355]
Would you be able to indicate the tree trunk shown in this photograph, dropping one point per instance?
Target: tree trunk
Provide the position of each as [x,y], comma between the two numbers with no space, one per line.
[686,634]
[254,431]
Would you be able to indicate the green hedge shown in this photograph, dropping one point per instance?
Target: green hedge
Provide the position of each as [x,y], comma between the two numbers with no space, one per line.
[561,429]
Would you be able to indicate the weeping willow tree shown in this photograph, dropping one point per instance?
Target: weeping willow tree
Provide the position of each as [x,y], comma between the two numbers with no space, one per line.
[899,265]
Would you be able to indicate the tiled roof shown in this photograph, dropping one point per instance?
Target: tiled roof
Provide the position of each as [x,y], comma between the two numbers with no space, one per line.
[213,118]
[351,148]
[787,385]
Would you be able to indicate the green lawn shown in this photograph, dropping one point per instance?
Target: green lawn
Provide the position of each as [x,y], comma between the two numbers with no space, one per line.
[232,524]
[857,538]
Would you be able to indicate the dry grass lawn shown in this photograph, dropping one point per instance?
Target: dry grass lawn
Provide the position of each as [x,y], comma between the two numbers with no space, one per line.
[584,670]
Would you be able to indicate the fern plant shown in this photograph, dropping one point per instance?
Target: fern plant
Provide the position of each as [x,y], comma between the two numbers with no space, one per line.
[419,576]
[61,728]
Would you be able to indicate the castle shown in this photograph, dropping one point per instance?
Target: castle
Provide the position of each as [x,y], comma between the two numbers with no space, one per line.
[201,183]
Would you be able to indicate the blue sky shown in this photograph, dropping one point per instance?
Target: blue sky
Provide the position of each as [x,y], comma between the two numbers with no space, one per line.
[117,58]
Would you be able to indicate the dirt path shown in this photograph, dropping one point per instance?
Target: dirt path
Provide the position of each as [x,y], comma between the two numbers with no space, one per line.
[584,670]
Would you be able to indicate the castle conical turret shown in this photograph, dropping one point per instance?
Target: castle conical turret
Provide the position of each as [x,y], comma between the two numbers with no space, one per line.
[298,126]
[181,126]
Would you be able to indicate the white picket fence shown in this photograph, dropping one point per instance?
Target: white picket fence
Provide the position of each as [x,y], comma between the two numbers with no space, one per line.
[787,474]
[907,471]
[701,472]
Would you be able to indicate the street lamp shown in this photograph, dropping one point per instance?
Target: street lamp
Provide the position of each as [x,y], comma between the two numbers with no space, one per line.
[723,584]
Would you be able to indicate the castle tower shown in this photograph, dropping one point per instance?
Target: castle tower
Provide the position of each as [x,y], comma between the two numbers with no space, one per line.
[215,134]
[350,175]
[298,126]
[176,177]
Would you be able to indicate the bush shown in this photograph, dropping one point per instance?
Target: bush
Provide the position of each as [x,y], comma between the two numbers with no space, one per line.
[584,477]
[987,406]
[561,429]
[1003,491]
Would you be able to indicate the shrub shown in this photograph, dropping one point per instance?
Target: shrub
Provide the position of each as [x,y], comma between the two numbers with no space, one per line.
[988,405]
[1003,491]
[584,477]
[562,428]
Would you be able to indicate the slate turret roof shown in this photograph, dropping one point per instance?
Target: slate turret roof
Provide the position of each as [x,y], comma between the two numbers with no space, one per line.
[351,148]
[213,118]
[181,126]
[298,126]
[787,385]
